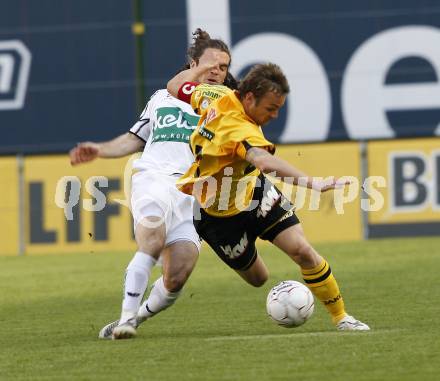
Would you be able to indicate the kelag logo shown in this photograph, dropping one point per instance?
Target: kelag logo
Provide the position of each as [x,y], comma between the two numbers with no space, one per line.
[173,125]
[15,62]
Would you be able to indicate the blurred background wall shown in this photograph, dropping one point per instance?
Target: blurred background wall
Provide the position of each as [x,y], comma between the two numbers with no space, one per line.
[365,89]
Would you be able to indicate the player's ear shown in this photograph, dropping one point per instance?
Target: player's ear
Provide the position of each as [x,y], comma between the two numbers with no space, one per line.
[249,97]
[248,101]
[192,64]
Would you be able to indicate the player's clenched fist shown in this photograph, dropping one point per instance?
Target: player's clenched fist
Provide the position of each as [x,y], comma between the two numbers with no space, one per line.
[83,153]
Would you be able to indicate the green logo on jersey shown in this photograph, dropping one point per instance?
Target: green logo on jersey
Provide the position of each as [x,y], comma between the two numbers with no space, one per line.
[173,125]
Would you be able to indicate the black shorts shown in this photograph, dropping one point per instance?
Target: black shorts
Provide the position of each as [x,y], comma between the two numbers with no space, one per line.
[233,238]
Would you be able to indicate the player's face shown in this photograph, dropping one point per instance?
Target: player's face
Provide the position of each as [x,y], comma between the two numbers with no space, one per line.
[220,62]
[264,110]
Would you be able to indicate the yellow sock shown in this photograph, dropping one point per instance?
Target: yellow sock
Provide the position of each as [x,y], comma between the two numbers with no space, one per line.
[323,285]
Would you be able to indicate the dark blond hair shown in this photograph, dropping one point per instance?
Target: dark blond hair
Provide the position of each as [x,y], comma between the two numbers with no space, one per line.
[262,79]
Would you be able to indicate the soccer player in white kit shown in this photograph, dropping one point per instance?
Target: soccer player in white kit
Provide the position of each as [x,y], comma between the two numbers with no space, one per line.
[163,216]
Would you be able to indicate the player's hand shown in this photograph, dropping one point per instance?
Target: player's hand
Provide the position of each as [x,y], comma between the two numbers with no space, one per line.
[83,153]
[329,184]
[210,61]
[207,67]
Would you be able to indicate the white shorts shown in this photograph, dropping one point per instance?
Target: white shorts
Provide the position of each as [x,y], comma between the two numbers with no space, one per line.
[156,195]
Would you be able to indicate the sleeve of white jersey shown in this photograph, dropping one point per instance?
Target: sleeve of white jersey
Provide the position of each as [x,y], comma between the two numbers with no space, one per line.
[142,128]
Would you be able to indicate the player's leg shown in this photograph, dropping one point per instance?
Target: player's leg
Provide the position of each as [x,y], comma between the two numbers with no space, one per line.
[151,208]
[315,270]
[179,260]
[317,275]
[294,243]
[150,238]
[179,257]
[136,279]
[150,243]
[281,226]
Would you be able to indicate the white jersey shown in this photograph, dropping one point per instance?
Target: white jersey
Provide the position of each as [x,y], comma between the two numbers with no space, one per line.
[165,125]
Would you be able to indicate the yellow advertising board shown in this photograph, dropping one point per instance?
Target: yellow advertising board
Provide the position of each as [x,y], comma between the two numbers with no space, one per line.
[76,209]
[9,207]
[328,216]
[411,199]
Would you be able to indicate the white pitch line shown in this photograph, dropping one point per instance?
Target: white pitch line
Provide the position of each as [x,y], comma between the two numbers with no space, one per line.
[299,334]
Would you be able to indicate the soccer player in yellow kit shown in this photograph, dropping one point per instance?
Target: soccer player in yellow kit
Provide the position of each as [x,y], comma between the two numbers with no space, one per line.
[237,202]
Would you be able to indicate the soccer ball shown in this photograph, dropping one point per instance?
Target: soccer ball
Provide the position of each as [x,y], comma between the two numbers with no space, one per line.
[290,304]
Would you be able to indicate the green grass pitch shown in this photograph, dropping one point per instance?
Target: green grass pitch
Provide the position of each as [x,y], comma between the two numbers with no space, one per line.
[52,307]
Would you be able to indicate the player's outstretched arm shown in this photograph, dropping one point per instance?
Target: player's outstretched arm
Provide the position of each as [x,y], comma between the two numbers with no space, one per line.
[270,164]
[122,145]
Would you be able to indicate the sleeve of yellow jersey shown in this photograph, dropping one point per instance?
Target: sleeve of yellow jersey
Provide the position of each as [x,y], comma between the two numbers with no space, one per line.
[244,134]
[204,94]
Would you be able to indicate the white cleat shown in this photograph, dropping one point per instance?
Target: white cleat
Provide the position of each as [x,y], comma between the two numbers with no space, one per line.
[106,332]
[349,323]
[125,330]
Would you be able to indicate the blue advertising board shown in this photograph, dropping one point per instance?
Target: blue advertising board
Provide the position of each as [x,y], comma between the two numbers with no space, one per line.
[357,70]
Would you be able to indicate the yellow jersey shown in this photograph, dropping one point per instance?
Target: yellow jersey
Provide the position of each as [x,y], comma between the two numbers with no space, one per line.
[201,95]
[221,179]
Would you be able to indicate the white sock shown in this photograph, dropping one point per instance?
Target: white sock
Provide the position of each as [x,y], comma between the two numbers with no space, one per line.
[158,300]
[136,280]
